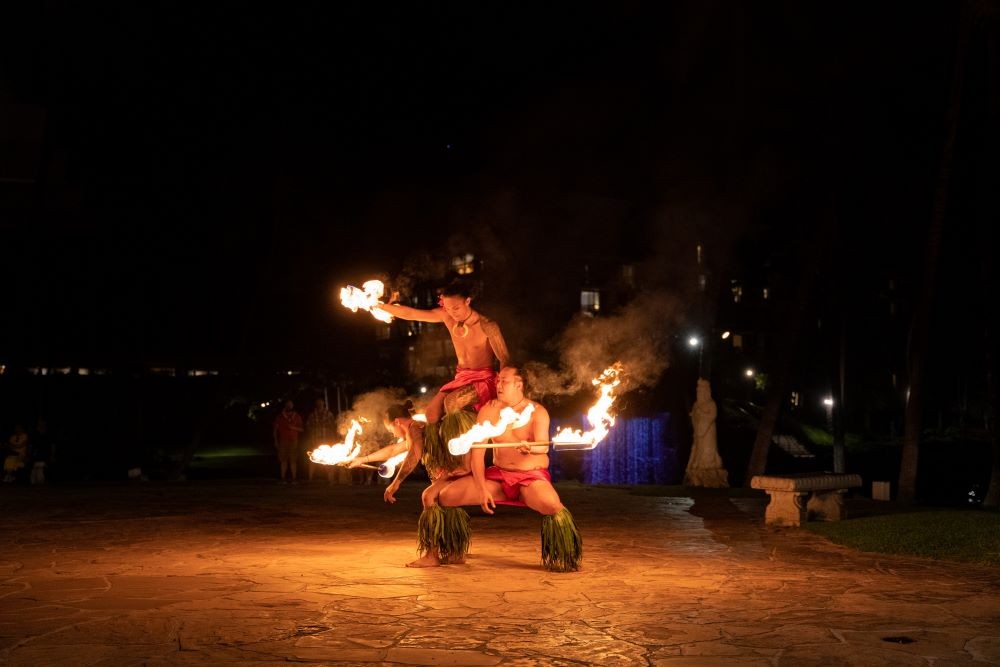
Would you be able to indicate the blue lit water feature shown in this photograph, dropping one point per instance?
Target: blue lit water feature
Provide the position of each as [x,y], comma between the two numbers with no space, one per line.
[638,450]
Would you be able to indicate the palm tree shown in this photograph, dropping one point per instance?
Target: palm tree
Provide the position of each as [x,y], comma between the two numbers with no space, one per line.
[780,376]
[920,327]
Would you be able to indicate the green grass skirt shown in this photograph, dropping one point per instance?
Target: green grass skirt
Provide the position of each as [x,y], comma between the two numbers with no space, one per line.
[436,437]
[562,546]
[446,529]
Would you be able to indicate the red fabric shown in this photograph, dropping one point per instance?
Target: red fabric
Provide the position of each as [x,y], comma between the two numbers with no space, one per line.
[288,428]
[483,379]
[511,482]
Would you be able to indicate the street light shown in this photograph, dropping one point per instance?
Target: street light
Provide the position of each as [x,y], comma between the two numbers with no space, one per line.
[696,342]
[749,372]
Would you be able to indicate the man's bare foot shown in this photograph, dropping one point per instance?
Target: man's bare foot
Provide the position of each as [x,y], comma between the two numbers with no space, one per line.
[427,560]
[454,560]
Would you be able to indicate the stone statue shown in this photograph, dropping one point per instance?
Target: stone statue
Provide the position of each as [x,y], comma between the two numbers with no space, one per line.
[704,468]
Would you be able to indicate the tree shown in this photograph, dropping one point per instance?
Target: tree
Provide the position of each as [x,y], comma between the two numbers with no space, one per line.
[784,351]
[921,323]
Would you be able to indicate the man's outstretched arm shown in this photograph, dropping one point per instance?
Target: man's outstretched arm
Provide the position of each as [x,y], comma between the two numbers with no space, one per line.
[408,465]
[413,314]
[383,454]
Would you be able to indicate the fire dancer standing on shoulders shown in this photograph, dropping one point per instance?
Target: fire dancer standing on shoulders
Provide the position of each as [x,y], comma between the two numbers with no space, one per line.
[520,475]
[478,342]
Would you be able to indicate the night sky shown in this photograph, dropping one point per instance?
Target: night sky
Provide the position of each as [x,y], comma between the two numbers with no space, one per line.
[208,175]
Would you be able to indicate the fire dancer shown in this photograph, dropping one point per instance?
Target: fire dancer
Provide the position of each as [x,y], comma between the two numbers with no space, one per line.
[478,342]
[398,419]
[445,532]
[520,476]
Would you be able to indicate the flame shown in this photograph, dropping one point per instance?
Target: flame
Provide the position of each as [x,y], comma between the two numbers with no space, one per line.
[366,298]
[483,432]
[598,416]
[331,455]
[388,468]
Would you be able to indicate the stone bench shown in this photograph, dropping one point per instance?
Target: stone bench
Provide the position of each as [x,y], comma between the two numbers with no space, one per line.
[787,506]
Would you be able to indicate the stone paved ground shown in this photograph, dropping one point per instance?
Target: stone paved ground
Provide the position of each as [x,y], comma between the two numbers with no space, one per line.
[254,573]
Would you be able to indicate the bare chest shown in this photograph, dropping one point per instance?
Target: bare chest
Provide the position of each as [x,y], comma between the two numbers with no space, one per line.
[468,340]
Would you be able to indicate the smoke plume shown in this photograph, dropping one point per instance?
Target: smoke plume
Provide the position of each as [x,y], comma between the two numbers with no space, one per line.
[638,336]
[372,406]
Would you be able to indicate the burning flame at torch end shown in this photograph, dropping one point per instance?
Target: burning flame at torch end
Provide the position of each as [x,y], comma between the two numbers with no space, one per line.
[388,468]
[598,416]
[342,452]
[366,298]
[482,432]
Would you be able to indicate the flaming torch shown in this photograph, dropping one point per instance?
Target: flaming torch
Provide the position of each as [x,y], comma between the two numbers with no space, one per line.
[366,298]
[598,416]
[331,455]
[388,467]
[477,436]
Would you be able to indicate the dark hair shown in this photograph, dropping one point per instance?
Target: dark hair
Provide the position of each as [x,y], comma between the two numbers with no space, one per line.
[523,377]
[399,410]
[461,287]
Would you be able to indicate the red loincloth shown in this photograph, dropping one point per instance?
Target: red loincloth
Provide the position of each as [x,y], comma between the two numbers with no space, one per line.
[483,379]
[511,482]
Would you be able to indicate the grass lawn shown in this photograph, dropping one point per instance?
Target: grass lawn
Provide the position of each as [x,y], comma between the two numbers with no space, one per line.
[964,535]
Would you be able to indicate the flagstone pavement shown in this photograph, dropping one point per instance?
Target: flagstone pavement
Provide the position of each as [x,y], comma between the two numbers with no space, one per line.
[249,572]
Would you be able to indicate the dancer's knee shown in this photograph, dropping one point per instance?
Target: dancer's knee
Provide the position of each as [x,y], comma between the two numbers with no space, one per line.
[549,508]
[430,496]
[460,400]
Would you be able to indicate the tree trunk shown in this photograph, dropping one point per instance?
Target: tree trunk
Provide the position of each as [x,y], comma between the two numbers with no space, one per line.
[992,499]
[920,329]
[781,375]
[837,409]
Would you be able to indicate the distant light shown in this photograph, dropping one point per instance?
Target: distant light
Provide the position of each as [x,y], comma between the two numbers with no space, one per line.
[828,401]
[725,335]
[448,146]
[423,390]
[749,372]
[263,405]
[83,371]
[694,341]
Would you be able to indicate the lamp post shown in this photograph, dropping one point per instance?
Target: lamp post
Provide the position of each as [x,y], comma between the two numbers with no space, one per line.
[839,462]
[696,342]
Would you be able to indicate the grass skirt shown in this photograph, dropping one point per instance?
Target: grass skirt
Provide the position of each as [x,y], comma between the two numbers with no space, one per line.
[562,546]
[436,437]
[448,530]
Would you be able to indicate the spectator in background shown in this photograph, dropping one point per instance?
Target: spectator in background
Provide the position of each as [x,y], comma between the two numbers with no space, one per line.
[287,429]
[17,454]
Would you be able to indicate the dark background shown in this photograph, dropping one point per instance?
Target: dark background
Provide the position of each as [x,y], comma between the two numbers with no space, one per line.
[188,186]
